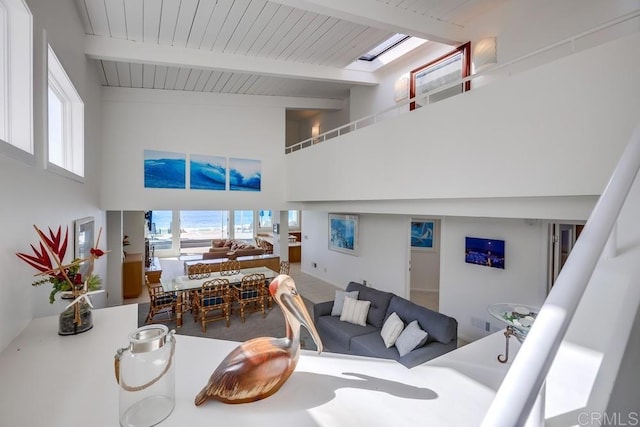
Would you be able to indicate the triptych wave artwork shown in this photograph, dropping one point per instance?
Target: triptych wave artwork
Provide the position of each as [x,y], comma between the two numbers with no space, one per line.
[164,169]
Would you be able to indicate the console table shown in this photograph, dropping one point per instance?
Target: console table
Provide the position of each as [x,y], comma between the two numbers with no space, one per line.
[269,261]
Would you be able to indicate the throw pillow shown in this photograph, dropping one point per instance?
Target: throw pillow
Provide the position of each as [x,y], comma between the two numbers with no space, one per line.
[411,338]
[338,301]
[355,311]
[391,329]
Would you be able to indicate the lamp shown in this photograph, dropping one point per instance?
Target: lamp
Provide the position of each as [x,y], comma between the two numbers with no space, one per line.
[484,53]
[315,131]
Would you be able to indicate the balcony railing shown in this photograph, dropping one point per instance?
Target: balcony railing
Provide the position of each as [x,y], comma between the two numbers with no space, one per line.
[520,388]
[403,107]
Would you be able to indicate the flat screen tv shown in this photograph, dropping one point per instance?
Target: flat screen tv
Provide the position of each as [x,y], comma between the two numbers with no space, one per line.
[487,252]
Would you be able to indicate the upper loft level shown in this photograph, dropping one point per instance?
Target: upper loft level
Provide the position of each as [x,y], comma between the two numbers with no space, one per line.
[536,134]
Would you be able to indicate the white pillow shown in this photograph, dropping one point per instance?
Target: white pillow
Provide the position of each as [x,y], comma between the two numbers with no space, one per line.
[338,301]
[411,338]
[355,311]
[391,329]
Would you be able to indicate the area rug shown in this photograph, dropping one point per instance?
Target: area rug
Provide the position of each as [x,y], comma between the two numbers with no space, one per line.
[272,325]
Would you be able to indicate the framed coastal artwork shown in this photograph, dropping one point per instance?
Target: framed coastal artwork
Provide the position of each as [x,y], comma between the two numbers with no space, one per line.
[423,234]
[164,169]
[207,172]
[343,233]
[245,174]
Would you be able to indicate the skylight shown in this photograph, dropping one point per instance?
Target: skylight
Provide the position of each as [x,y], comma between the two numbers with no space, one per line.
[385,46]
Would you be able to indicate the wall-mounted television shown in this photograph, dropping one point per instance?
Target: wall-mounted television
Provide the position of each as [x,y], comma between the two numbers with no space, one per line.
[487,252]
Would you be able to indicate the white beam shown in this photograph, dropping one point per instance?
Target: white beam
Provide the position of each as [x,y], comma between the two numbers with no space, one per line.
[109,49]
[380,15]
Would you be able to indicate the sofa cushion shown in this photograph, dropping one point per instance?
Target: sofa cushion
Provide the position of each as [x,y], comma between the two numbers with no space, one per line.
[440,327]
[379,302]
[391,329]
[371,345]
[338,334]
[338,301]
[355,311]
[412,337]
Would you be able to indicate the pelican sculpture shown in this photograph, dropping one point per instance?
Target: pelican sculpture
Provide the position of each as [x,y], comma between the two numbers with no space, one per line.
[257,368]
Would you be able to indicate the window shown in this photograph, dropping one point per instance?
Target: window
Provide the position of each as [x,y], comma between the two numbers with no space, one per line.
[294,219]
[384,47]
[243,225]
[443,71]
[265,219]
[16,76]
[65,120]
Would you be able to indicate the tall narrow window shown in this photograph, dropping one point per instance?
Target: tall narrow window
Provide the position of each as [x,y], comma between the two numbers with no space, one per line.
[16,76]
[66,120]
[56,126]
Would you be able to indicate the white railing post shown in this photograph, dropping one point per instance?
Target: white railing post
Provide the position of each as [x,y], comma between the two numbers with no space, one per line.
[519,389]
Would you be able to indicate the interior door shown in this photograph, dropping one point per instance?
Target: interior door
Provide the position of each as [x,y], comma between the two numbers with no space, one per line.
[562,239]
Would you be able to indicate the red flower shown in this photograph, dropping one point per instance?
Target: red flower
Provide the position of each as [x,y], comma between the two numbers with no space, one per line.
[41,261]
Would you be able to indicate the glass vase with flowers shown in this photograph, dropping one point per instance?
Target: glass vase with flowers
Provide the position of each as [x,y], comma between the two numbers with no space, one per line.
[65,280]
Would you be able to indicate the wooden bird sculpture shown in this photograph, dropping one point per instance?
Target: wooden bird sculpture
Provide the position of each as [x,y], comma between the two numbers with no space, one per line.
[257,368]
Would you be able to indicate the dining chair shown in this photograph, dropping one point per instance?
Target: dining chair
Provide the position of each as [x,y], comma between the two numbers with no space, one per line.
[284,267]
[214,297]
[199,271]
[160,302]
[229,267]
[250,292]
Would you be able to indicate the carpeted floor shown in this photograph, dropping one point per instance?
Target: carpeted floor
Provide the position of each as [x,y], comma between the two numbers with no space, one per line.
[253,327]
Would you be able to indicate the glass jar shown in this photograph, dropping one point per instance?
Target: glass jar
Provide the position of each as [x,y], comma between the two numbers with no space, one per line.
[67,324]
[145,372]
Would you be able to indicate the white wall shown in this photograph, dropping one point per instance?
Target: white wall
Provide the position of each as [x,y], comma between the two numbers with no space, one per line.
[33,195]
[466,290]
[228,126]
[500,138]
[382,262]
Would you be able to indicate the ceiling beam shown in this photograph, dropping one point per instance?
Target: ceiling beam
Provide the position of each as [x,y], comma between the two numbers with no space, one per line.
[110,49]
[380,15]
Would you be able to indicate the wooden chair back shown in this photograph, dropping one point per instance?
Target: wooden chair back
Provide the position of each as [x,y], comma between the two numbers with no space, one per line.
[284,267]
[251,291]
[199,271]
[229,267]
[214,295]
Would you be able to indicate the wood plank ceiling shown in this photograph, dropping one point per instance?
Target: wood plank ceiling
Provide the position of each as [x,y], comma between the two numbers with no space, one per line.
[270,30]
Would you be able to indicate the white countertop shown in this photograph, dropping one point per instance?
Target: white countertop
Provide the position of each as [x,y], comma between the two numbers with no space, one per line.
[50,380]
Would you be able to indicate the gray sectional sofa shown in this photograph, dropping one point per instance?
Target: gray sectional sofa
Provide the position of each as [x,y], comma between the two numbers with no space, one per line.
[343,337]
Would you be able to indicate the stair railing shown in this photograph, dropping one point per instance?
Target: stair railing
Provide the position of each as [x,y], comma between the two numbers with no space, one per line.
[523,382]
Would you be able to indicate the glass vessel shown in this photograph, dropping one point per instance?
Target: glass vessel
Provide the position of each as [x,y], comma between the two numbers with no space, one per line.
[66,320]
[145,371]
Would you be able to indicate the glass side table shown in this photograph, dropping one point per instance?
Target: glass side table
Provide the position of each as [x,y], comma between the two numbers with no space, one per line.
[519,319]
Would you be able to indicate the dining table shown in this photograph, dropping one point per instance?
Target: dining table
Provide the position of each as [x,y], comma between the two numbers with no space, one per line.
[183,285]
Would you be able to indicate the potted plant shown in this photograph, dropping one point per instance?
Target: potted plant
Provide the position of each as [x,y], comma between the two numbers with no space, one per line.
[65,279]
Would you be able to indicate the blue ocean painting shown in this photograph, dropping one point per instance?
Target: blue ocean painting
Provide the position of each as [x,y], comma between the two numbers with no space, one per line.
[342,233]
[208,172]
[422,234]
[245,174]
[164,169]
